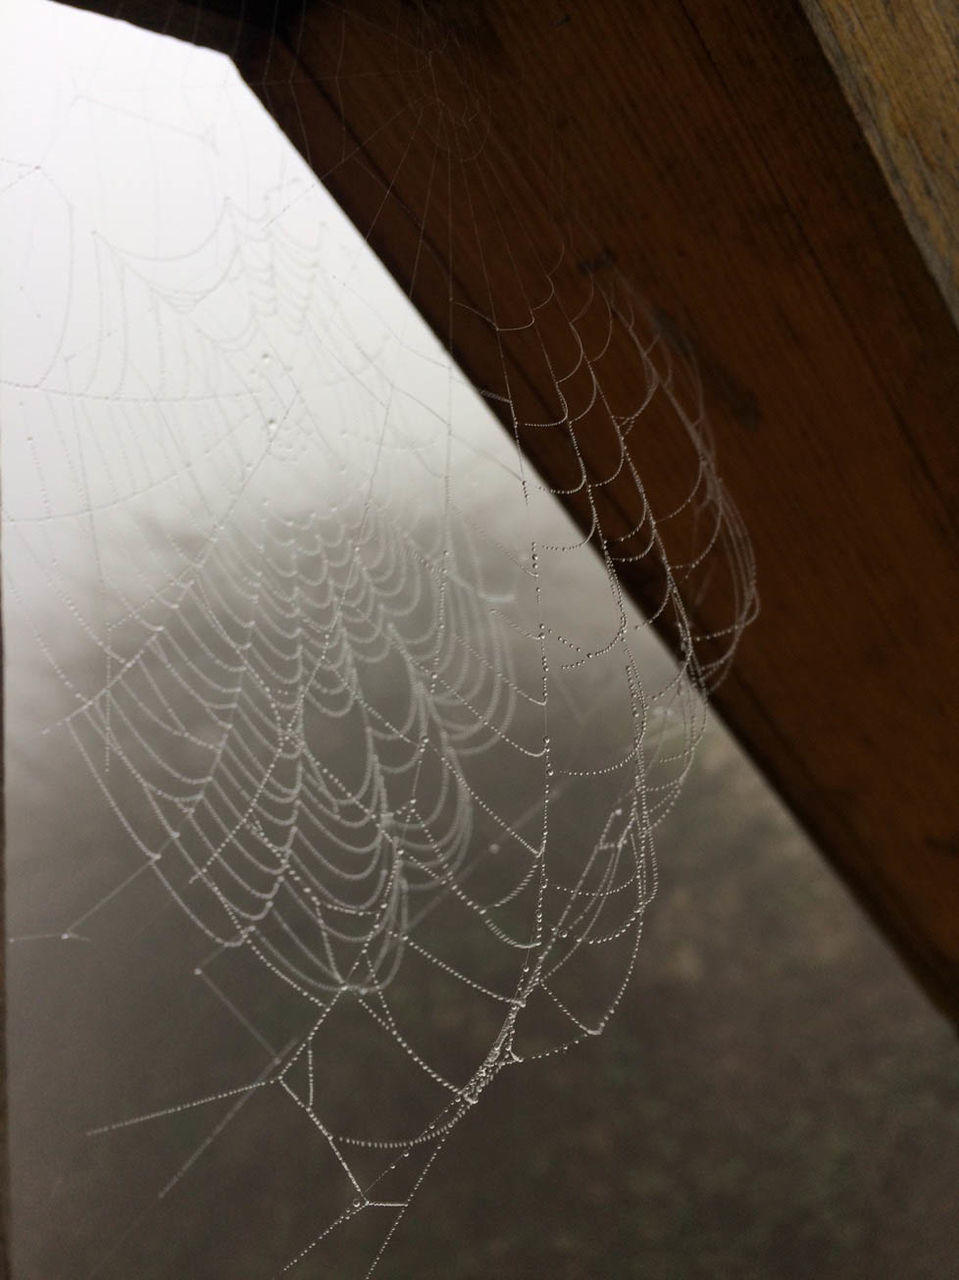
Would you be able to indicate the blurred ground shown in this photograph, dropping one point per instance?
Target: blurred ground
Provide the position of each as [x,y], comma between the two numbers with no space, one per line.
[775,1099]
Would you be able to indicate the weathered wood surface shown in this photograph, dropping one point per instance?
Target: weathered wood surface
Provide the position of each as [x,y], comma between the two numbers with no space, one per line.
[899,67]
[708,151]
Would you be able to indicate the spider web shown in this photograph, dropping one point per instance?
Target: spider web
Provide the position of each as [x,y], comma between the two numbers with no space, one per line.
[300,643]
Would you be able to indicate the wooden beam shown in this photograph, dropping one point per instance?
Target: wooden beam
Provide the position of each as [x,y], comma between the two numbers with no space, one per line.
[899,68]
[703,154]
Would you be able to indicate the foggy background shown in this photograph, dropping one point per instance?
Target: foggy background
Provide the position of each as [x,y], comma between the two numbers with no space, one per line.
[773,1097]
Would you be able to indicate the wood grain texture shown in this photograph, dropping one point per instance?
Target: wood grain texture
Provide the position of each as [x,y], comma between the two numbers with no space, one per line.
[899,66]
[709,150]
[703,151]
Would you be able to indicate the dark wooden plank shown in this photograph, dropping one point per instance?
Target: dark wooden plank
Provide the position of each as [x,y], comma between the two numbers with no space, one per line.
[710,153]
[709,159]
